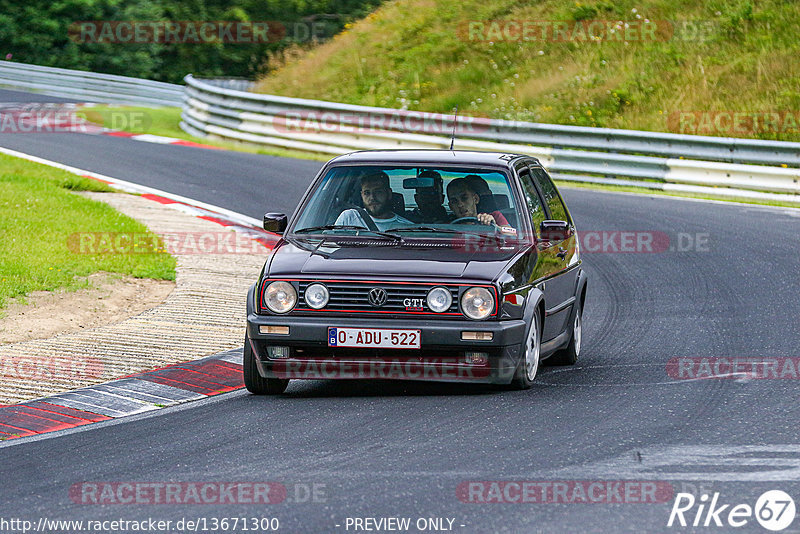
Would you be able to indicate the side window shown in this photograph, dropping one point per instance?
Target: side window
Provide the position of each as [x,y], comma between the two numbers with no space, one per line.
[557,210]
[533,200]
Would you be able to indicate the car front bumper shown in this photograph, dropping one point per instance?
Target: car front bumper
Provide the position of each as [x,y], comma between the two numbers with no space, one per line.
[441,358]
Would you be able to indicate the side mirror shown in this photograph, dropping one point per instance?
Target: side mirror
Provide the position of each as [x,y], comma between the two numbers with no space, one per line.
[555,231]
[275,222]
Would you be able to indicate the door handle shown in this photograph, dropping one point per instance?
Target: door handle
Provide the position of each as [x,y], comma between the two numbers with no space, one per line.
[562,253]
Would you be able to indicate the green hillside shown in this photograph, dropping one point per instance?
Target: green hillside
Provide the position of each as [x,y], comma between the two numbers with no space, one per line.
[708,56]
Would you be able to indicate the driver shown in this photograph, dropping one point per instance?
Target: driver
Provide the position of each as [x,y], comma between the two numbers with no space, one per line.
[464,200]
[377,198]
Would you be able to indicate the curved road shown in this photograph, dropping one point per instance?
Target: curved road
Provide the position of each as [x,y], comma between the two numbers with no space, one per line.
[378,449]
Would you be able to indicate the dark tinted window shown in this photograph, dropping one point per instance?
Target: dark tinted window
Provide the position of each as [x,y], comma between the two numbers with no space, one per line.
[557,210]
[532,199]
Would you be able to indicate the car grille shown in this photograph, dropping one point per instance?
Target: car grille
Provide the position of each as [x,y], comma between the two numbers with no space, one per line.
[355,296]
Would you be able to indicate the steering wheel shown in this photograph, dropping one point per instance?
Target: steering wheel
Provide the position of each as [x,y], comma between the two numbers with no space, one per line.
[475,220]
[364,216]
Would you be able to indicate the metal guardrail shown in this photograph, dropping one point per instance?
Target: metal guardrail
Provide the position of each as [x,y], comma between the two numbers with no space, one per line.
[89,86]
[733,167]
[222,108]
[237,84]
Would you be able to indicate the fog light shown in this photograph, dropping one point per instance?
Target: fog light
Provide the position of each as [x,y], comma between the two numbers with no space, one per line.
[278,352]
[316,296]
[439,299]
[269,329]
[477,336]
[476,358]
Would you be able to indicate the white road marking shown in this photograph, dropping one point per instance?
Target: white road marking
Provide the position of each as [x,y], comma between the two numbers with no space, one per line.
[160,139]
[541,380]
[140,189]
[750,463]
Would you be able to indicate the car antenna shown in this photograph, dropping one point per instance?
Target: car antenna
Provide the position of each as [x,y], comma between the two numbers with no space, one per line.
[453,136]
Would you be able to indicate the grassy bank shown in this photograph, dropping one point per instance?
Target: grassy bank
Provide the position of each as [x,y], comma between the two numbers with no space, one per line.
[39,213]
[711,55]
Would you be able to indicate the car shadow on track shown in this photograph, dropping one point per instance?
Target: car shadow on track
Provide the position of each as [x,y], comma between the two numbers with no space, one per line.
[384,388]
[300,389]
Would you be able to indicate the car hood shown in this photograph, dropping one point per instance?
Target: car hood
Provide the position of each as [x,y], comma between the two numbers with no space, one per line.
[304,258]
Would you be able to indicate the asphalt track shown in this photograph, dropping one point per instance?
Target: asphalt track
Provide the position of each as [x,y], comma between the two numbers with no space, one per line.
[401,449]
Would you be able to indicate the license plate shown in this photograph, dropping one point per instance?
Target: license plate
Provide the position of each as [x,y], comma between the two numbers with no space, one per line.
[379,338]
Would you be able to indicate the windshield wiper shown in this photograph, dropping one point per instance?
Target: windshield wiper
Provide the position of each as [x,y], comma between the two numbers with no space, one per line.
[426,229]
[347,227]
[434,229]
[330,227]
[493,235]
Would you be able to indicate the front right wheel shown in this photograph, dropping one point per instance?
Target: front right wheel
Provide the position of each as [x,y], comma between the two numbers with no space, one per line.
[254,382]
[569,354]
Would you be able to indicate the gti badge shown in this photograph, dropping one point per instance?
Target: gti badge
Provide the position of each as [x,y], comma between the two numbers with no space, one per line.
[413,304]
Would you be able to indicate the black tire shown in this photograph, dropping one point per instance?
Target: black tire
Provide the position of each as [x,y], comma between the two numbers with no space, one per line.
[254,382]
[531,352]
[569,354]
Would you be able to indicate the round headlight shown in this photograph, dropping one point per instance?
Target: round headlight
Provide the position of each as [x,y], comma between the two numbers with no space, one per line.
[280,297]
[316,296]
[477,303]
[439,299]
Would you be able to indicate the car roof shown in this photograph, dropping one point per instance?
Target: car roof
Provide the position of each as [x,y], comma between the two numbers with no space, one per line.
[468,157]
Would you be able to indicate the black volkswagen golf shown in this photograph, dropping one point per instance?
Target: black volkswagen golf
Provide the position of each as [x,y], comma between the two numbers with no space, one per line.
[419,265]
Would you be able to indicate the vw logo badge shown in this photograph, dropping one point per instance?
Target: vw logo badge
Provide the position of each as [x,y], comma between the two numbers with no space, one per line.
[377,296]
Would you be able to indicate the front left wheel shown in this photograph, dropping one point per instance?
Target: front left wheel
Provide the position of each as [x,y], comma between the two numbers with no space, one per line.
[254,382]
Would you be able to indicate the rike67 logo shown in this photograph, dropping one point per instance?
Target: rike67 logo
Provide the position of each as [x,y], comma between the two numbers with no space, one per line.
[774,510]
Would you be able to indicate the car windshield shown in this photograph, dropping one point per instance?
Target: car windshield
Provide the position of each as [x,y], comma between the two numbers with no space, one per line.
[409,201]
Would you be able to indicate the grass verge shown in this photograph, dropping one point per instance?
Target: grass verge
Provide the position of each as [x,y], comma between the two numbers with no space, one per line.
[38,214]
